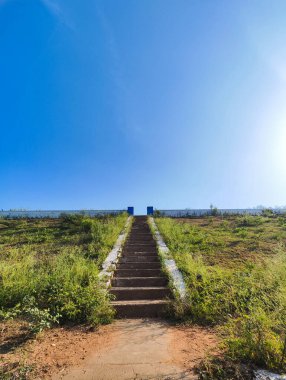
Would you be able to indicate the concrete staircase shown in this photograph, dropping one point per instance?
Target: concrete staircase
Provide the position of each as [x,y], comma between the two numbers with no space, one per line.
[139,286]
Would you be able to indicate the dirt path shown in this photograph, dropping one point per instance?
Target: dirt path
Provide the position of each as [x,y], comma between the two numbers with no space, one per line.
[144,349]
[126,349]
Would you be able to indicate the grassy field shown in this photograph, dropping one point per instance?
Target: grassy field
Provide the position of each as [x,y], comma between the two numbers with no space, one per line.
[49,269]
[235,271]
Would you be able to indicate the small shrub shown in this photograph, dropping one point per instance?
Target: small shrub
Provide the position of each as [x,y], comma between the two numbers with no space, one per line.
[249,221]
[241,232]
[268,212]
[39,319]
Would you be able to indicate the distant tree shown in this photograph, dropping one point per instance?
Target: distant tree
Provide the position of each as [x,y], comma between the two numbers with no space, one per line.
[214,210]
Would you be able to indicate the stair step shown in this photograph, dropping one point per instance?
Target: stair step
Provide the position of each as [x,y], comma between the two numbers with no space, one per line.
[139,265]
[140,243]
[140,239]
[140,293]
[139,281]
[138,258]
[138,273]
[140,235]
[137,230]
[140,308]
[140,246]
[139,253]
[144,237]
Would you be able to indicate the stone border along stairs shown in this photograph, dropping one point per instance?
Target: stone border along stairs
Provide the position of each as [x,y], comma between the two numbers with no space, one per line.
[139,285]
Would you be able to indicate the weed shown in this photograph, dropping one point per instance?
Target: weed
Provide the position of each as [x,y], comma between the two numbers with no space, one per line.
[15,371]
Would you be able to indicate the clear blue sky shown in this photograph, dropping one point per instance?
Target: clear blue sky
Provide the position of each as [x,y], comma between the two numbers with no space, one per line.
[105,104]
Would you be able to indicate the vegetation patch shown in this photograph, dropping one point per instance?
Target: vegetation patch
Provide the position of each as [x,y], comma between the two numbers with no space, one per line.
[224,369]
[235,272]
[49,269]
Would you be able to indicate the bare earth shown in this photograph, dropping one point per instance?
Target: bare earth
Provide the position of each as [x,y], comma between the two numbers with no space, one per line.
[127,349]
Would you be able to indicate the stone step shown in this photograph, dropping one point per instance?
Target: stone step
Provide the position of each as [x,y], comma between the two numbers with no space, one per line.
[140,249]
[141,234]
[139,265]
[144,244]
[139,258]
[140,241]
[138,273]
[140,293]
[140,229]
[139,281]
[140,308]
[127,252]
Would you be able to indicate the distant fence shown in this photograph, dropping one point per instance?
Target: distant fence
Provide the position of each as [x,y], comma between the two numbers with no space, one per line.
[214,211]
[57,213]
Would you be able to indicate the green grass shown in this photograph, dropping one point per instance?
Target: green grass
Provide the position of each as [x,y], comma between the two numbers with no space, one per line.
[235,271]
[49,269]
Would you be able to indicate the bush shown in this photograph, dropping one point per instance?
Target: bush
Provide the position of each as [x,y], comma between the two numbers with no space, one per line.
[249,221]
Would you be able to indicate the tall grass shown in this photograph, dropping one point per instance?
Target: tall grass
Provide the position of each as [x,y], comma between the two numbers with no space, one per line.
[65,285]
[249,301]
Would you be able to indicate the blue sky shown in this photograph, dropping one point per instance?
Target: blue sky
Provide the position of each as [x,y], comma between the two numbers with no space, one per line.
[176,104]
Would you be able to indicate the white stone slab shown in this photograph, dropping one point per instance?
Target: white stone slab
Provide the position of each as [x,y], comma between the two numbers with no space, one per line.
[265,375]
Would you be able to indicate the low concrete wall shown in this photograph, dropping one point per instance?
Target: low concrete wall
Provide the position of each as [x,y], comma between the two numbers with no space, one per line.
[204,212]
[56,213]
